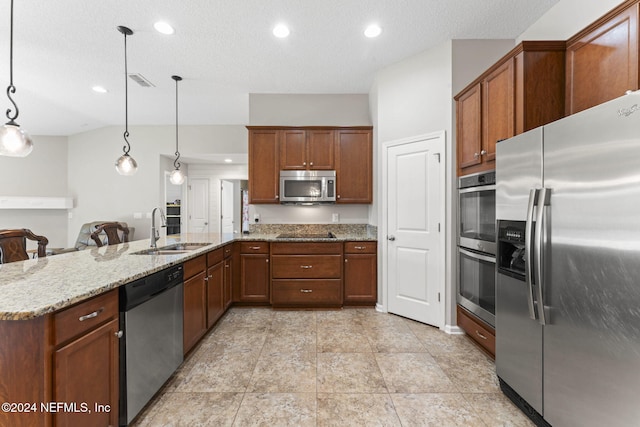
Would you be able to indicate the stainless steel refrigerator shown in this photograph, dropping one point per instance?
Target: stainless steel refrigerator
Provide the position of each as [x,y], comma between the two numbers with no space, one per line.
[568,267]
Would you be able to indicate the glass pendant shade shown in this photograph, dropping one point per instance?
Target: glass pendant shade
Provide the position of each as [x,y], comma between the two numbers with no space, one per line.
[126,165]
[177,177]
[14,142]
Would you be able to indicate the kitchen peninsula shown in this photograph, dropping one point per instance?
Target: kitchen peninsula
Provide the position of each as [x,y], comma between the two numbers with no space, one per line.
[59,318]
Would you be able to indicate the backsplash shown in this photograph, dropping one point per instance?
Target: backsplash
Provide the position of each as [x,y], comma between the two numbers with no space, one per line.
[312,228]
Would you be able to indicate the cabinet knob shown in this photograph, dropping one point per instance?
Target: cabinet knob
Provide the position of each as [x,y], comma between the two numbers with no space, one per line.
[483,152]
[338,196]
[266,260]
[391,238]
[304,163]
[311,164]
[206,279]
[476,155]
[277,197]
[118,334]
[346,260]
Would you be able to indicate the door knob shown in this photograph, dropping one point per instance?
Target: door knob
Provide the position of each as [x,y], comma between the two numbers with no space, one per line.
[391,238]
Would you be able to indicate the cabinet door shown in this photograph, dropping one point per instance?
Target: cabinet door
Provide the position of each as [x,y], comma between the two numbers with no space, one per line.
[603,63]
[360,274]
[293,151]
[195,310]
[469,129]
[228,282]
[354,166]
[497,110]
[254,277]
[215,293]
[264,166]
[86,370]
[320,149]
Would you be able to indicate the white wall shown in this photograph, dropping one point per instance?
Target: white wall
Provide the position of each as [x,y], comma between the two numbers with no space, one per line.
[42,173]
[566,18]
[309,110]
[103,194]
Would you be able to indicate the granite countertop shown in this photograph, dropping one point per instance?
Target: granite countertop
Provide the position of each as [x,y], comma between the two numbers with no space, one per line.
[33,288]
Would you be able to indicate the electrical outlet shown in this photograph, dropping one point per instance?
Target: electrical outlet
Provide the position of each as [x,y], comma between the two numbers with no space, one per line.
[256,217]
[335,217]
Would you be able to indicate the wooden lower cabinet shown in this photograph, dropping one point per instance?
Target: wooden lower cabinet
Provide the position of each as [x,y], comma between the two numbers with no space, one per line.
[195,302]
[307,292]
[86,363]
[253,286]
[215,293]
[360,273]
[477,330]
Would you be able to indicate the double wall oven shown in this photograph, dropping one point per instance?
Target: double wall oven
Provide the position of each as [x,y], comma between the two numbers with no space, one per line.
[477,244]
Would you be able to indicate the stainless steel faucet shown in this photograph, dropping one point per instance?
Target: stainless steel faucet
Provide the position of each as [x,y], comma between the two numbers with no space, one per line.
[155,234]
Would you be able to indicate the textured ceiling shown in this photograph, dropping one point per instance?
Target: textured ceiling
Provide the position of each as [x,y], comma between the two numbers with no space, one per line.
[223,49]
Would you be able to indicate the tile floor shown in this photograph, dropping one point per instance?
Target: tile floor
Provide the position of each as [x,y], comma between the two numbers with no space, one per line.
[351,367]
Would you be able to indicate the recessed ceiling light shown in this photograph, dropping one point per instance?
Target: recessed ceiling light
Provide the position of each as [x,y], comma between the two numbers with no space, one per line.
[99,89]
[228,160]
[164,28]
[372,30]
[281,31]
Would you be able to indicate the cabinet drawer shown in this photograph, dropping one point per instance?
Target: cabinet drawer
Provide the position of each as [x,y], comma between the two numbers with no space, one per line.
[214,257]
[360,247]
[306,248]
[483,335]
[228,250]
[306,292]
[195,266]
[306,266]
[84,316]
[254,247]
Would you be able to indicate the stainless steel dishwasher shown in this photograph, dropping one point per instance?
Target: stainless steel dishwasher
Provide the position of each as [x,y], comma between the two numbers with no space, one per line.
[151,315]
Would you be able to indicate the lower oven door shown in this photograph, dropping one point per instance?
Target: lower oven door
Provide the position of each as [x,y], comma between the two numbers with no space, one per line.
[477,284]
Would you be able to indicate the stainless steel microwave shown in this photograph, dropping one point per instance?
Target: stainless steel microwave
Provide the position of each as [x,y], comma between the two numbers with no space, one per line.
[307,187]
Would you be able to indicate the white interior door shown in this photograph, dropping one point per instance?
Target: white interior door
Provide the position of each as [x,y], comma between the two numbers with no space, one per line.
[227,206]
[199,205]
[415,205]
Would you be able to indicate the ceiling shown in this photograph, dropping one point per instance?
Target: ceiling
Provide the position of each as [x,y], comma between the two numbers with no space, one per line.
[223,49]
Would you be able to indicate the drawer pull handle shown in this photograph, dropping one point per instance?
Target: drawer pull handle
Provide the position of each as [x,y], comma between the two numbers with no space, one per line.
[359,247]
[255,248]
[90,315]
[306,291]
[480,335]
[306,266]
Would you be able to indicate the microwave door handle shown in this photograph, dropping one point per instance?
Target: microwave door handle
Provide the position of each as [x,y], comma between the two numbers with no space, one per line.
[543,200]
[528,252]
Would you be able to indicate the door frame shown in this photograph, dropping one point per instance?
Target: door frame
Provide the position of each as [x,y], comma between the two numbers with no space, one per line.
[384,246]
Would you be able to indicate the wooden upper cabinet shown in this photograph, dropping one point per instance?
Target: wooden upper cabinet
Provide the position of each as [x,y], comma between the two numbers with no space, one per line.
[602,60]
[469,127]
[498,102]
[264,166]
[354,163]
[523,90]
[307,149]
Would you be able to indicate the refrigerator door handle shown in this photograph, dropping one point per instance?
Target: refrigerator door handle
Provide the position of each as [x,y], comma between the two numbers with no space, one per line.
[543,200]
[528,252]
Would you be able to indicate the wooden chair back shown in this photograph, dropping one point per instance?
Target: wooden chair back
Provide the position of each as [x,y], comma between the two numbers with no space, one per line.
[111,230]
[13,245]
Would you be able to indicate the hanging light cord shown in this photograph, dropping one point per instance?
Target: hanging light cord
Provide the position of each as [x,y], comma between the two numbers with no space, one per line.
[127,147]
[11,88]
[176,163]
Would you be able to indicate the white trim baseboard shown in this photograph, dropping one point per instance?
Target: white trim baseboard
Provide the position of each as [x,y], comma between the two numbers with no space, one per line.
[453,330]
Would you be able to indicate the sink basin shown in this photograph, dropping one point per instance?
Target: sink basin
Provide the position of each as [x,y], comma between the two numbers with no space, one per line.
[176,248]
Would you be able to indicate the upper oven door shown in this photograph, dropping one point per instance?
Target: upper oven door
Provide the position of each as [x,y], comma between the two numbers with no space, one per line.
[477,228]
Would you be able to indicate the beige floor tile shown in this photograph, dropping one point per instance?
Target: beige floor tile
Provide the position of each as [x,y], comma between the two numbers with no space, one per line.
[192,409]
[336,340]
[435,410]
[497,410]
[295,320]
[277,409]
[237,340]
[349,373]
[248,316]
[219,372]
[413,373]
[284,373]
[291,341]
[391,340]
[471,372]
[361,409]
[438,342]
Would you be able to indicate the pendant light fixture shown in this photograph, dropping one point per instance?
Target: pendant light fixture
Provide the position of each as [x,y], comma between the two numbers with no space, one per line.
[14,142]
[125,165]
[177,177]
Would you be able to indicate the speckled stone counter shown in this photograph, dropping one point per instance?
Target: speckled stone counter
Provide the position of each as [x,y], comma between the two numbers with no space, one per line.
[32,288]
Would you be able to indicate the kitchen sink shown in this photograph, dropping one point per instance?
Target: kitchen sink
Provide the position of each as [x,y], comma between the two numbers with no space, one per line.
[176,248]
